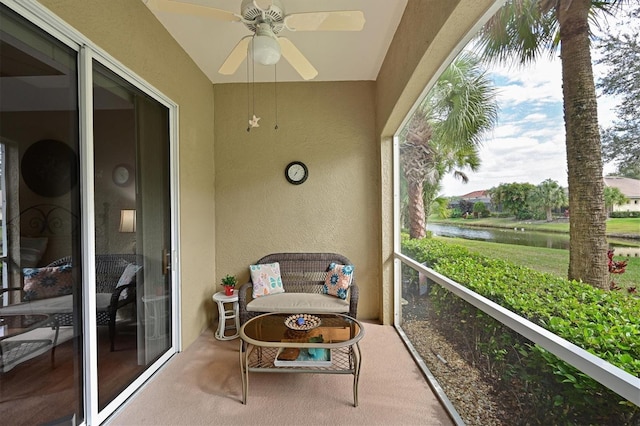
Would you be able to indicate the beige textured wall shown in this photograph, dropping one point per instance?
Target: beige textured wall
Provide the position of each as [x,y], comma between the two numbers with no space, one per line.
[331,128]
[128,31]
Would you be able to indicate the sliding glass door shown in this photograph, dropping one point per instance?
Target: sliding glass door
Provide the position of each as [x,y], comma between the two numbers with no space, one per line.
[41,335]
[86,299]
[131,157]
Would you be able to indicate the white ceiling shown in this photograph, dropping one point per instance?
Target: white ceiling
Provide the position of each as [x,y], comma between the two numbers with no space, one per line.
[338,56]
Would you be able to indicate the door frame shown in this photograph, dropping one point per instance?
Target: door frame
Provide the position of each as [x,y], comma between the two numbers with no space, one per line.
[87,52]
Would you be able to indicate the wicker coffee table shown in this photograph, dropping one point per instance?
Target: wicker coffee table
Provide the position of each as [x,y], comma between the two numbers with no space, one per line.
[330,348]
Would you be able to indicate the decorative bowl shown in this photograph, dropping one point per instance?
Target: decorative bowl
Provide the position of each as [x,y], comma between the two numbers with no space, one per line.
[302,322]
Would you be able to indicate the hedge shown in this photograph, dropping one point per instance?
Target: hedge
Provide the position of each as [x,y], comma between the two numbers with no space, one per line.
[624,214]
[605,323]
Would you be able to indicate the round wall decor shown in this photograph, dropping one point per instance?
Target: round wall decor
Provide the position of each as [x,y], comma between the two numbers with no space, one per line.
[296,172]
[50,168]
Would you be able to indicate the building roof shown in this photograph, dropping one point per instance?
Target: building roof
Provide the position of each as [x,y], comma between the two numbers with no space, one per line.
[629,187]
[475,194]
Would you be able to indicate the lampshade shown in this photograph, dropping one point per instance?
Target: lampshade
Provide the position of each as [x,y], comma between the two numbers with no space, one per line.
[127,221]
[266,50]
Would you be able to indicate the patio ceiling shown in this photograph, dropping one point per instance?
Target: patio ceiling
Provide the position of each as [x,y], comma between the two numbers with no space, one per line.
[338,56]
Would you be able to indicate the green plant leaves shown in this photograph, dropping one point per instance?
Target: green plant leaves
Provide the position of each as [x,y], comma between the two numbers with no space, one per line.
[606,324]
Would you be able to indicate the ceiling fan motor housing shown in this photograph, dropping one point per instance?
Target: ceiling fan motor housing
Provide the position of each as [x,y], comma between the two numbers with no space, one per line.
[274,16]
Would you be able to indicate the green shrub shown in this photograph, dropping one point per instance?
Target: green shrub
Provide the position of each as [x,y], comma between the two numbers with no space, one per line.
[604,323]
[456,213]
[624,214]
[479,208]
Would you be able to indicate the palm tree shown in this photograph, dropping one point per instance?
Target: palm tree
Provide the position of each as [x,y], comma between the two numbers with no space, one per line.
[613,197]
[448,161]
[444,133]
[550,195]
[520,32]
[417,160]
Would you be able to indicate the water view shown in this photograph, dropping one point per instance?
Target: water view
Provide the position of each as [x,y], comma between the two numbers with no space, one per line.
[522,237]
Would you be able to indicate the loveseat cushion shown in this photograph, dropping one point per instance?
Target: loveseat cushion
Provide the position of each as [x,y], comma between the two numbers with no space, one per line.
[54,305]
[294,303]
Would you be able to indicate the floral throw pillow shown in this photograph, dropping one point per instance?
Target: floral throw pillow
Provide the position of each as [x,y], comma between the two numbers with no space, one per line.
[51,281]
[338,280]
[266,279]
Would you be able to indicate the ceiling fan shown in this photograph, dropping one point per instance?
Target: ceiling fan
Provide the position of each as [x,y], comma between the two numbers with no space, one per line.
[266,19]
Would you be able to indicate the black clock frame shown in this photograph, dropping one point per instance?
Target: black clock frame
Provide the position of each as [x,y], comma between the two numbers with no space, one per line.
[296,182]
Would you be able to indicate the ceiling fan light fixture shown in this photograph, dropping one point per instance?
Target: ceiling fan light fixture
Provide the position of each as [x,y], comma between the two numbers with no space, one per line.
[266,50]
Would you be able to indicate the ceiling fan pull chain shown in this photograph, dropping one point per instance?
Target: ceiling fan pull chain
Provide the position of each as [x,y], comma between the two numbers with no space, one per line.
[248,97]
[253,121]
[275,91]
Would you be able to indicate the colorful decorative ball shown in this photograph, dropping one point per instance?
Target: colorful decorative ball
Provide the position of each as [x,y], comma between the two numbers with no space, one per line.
[300,321]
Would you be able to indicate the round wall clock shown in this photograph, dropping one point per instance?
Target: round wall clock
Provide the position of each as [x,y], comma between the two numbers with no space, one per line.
[122,175]
[296,172]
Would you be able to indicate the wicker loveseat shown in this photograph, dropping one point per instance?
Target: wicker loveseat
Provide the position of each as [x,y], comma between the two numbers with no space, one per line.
[303,278]
[109,299]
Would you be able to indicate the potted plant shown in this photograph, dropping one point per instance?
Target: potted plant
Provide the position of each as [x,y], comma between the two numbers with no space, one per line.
[229,282]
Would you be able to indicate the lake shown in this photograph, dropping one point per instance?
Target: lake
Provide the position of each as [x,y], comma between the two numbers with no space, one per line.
[519,237]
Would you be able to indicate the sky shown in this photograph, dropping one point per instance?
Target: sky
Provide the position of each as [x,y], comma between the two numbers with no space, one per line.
[528,143]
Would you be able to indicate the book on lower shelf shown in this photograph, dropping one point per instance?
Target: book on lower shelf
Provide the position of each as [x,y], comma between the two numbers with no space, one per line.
[303,357]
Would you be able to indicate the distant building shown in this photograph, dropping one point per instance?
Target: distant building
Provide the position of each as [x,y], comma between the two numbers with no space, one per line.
[630,188]
[475,196]
[472,198]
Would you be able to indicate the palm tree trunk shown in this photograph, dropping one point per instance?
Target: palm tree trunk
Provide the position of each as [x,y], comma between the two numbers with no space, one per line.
[549,214]
[416,210]
[587,222]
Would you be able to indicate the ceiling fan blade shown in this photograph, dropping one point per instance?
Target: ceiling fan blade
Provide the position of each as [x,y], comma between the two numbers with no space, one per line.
[297,59]
[192,9]
[341,20]
[235,58]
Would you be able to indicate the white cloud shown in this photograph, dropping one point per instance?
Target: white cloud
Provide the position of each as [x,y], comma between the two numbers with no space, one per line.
[536,117]
[528,144]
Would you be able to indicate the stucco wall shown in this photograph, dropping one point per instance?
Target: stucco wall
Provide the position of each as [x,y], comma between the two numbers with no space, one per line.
[129,32]
[331,128]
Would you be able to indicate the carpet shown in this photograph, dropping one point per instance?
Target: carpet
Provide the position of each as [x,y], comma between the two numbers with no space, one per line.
[202,386]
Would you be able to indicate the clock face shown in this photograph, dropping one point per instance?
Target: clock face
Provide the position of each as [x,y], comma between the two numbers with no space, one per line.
[121,175]
[296,172]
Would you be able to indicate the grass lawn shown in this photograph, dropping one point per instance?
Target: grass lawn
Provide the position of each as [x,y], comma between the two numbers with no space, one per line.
[553,261]
[627,225]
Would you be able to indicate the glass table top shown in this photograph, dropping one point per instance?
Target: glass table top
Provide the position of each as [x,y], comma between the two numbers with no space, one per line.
[335,330]
[15,324]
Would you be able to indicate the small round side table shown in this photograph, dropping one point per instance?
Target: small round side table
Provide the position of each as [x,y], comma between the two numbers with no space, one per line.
[225,314]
